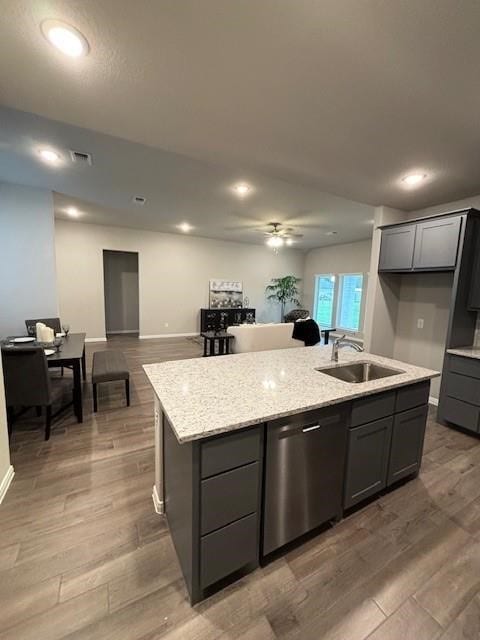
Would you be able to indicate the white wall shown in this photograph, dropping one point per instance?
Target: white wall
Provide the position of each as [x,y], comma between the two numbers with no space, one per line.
[5,469]
[121,291]
[174,271]
[27,257]
[341,258]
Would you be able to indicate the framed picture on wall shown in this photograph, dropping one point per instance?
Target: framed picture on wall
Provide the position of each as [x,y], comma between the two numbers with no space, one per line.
[226,294]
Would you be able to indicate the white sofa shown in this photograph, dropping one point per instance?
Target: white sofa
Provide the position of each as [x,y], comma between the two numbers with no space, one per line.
[263,337]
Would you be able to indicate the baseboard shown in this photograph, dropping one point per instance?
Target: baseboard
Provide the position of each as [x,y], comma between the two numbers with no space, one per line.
[169,335]
[95,339]
[157,503]
[432,400]
[7,479]
[114,333]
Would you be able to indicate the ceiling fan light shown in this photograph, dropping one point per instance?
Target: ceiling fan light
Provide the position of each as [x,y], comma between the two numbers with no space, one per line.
[275,242]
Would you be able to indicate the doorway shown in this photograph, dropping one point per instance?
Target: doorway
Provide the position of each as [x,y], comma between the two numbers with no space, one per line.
[120,278]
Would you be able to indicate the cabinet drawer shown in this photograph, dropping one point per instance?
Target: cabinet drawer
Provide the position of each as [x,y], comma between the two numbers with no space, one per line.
[229,496]
[232,450]
[368,448]
[464,366]
[372,408]
[461,413]
[407,443]
[463,388]
[412,396]
[229,549]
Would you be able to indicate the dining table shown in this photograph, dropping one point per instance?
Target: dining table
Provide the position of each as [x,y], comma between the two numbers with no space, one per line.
[70,353]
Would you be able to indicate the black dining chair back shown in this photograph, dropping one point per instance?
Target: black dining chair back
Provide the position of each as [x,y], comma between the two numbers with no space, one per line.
[53,323]
[25,372]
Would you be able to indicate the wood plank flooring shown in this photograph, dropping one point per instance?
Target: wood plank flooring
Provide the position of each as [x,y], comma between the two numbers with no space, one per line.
[83,556]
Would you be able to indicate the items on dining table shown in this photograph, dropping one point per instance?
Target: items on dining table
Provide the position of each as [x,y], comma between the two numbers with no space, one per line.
[44,334]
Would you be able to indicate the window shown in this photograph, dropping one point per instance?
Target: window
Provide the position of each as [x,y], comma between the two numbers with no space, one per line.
[339,300]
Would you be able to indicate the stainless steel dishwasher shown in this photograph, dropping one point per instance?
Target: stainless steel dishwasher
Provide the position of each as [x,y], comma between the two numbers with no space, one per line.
[304,470]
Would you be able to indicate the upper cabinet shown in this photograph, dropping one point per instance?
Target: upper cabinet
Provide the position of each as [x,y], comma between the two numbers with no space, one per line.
[429,245]
[396,250]
[436,244]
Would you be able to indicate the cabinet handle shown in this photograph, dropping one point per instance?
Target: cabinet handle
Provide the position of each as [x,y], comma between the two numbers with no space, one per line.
[312,428]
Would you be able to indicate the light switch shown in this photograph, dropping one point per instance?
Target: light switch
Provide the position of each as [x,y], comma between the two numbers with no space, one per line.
[420,323]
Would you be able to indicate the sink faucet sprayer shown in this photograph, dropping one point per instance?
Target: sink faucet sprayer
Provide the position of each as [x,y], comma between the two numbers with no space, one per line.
[338,343]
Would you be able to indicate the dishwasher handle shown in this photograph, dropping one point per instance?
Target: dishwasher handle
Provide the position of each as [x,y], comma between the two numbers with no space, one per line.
[314,427]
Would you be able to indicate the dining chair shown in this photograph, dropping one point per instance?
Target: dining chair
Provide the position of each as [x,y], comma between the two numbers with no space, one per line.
[53,323]
[28,384]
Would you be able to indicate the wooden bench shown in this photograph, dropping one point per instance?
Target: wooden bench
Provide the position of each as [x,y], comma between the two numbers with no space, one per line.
[109,366]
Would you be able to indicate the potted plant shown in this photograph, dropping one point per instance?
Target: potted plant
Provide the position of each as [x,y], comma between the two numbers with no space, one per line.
[283,290]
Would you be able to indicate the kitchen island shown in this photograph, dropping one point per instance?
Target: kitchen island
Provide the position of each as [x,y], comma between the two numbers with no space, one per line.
[256,449]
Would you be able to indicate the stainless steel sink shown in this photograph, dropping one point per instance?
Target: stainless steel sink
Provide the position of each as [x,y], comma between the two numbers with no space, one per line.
[359,372]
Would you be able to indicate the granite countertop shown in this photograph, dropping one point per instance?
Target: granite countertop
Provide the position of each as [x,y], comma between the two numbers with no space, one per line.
[206,396]
[468,352]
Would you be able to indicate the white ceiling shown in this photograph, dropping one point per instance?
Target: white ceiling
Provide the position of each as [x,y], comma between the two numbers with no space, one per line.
[345,97]
[177,188]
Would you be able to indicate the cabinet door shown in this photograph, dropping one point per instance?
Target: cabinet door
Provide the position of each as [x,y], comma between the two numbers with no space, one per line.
[436,244]
[367,461]
[396,249]
[407,443]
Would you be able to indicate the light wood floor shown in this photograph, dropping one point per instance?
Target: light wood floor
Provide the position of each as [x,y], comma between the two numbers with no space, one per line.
[83,555]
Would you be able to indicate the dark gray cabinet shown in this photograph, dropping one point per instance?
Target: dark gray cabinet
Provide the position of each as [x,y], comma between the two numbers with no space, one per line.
[213,490]
[384,450]
[367,463]
[426,245]
[460,397]
[396,250]
[436,243]
[407,443]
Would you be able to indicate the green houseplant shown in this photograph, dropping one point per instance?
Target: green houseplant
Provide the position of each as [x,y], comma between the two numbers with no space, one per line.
[283,290]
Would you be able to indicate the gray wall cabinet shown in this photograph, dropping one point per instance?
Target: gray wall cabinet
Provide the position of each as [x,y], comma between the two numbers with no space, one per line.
[396,249]
[427,245]
[436,244]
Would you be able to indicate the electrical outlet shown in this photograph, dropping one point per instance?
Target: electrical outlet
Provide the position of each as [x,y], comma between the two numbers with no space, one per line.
[420,323]
[166,325]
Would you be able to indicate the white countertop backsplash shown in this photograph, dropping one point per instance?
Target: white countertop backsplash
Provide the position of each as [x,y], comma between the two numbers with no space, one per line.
[206,396]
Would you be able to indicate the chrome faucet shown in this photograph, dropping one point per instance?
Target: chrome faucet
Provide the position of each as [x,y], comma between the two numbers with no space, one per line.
[338,343]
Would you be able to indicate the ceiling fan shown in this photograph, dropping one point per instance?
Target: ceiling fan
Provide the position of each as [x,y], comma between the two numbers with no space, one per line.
[277,235]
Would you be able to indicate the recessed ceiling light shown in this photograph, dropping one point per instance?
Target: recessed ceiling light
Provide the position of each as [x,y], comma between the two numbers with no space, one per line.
[49,155]
[185,227]
[65,38]
[414,179]
[242,189]
[73,212]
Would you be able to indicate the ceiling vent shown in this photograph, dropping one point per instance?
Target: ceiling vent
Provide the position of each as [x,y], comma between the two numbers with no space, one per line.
[80,157]
[139,200]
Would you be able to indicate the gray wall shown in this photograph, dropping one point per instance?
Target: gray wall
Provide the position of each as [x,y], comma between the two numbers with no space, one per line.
[174,271]
[426,296]
[27,257]
[121,291]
